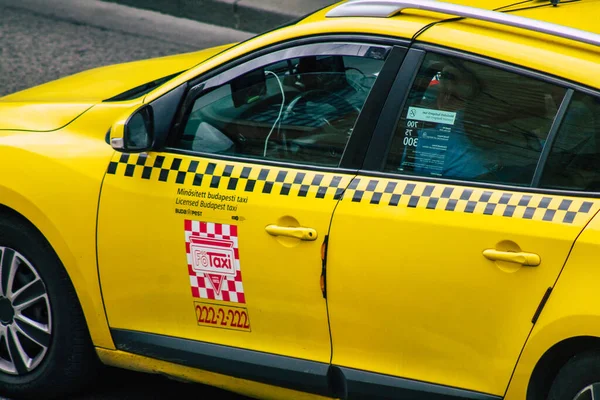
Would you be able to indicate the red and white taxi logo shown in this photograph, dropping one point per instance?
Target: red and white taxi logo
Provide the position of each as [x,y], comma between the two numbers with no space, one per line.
[214,258]
[213,261]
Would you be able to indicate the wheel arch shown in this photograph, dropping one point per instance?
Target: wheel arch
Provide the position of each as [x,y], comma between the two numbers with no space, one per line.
[26,214]
[16,206]
[553,360]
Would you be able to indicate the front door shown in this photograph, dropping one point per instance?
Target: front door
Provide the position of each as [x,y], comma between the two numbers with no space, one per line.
[441,254]
[198,254]
[217,238]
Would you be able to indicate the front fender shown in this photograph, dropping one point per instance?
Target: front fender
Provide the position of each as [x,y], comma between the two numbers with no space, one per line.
[54,180]
[87,288]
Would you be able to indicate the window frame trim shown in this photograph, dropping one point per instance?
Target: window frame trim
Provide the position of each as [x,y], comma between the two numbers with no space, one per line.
[554,130]
[507,66]
[382,136]
[376,159]
[198,85]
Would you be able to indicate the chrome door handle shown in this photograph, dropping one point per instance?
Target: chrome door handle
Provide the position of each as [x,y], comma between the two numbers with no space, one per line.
[298,232]
[525,259]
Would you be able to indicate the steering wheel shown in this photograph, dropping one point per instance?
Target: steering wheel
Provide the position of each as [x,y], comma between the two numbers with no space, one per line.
[360,85]
[320,96]
[332,130]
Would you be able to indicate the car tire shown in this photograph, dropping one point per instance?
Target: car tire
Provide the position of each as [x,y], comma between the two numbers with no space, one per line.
[45,308]
[577,378]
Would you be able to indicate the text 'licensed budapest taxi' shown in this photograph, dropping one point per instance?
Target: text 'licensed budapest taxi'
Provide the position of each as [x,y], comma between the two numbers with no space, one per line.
[386,199]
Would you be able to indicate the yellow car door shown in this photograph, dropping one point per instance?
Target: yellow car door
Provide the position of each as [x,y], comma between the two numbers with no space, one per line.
[445,248]
[210,247]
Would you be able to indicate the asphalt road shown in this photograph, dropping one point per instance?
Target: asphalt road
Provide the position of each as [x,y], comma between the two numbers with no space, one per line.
[42,40]
[127,385]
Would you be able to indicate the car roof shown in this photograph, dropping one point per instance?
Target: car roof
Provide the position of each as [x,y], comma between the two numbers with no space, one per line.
[563,58]
[579,14]
[582,14]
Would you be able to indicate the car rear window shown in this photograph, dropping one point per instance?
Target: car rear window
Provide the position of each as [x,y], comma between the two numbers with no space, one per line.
[574,161]
[469,121]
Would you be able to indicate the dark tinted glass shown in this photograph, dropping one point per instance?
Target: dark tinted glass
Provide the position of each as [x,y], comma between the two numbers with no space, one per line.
[574,161]
[301,110]
[469,121]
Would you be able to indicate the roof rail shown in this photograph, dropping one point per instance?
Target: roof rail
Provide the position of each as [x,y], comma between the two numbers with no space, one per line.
[388,8]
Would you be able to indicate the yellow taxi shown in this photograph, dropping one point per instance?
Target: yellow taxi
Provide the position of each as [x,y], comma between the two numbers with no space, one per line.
[386,199]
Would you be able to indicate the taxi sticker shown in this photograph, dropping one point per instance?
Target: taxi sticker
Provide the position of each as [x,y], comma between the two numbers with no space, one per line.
[430,115]
[213,261]
[221,316]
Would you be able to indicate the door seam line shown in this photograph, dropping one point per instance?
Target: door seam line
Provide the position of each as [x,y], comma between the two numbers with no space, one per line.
[552,289]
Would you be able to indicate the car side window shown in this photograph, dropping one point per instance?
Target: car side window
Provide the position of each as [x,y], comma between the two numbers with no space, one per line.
[299,110]
[468,121]
[574,160]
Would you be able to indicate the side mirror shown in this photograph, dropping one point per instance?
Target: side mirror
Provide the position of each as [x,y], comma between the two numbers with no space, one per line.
[135,133]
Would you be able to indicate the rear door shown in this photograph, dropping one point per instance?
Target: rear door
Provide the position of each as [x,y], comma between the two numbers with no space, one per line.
[442,250]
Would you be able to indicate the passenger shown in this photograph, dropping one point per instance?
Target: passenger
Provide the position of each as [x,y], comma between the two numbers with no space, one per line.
[444,149]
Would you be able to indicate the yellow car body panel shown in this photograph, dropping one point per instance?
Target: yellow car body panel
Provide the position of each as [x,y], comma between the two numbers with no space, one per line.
[455,305]
[578,14]
[26,116]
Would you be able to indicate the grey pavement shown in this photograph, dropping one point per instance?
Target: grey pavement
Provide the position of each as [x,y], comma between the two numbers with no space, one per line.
[39,43]
[248,15]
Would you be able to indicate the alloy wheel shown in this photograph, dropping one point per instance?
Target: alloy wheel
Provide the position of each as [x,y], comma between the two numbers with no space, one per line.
[590,392]
[25,317]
